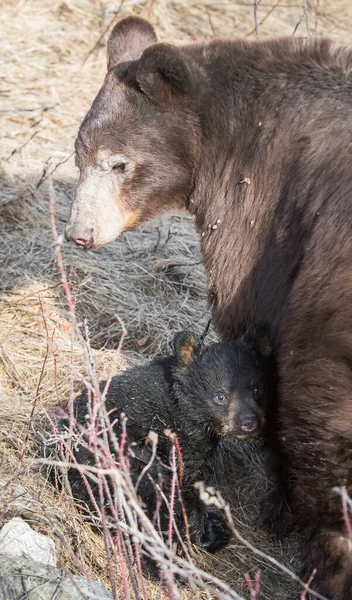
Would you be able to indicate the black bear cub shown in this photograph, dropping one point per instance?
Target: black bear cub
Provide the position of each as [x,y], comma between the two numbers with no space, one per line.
[203,395]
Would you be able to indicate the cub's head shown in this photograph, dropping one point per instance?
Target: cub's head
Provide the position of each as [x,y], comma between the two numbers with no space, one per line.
[226,385]
[136,148]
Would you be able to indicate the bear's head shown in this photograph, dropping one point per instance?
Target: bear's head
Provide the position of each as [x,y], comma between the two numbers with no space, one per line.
[137,146]
[225,386]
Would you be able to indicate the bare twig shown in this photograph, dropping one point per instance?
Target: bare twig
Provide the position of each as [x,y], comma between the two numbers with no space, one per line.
[255,8]
[304,592]
[46,174]
[304,17]
[254,589]
[107,28]
[256,28]
[210,22]
[89,349]
[317,14]
[20,148]
[40,379]
[306,7]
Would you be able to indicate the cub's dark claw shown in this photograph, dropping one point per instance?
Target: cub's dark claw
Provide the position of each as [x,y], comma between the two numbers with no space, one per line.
[216,532]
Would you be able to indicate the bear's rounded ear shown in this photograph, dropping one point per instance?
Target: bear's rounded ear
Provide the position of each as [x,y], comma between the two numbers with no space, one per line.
[258,336]
[186,348]
[128,40]
[163,73]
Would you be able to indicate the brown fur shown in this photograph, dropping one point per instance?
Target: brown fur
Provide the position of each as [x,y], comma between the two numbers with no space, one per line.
[255,140]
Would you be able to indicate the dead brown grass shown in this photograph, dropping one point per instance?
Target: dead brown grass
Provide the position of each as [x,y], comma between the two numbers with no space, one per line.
[52,63]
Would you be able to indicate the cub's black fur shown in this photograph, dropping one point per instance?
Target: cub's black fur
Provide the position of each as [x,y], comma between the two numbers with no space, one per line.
[203,395]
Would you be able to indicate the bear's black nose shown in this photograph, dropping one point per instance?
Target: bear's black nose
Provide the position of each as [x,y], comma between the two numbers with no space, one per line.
[249,424]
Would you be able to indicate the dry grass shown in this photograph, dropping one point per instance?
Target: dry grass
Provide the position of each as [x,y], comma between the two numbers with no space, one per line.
[52,64]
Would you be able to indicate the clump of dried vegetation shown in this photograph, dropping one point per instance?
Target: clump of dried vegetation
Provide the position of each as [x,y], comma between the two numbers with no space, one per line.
[151,280]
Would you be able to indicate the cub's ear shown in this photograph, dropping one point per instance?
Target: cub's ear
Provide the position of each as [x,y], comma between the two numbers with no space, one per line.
[258,336]
[163,73]
[186,348]
[128,40]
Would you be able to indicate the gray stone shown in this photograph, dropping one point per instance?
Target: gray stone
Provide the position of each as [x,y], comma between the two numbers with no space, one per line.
[22,577]
[17,538]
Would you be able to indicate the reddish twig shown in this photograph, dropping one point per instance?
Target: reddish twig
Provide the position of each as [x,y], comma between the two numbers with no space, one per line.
[121,561]
[180,460]
[317,14]
[172,494]
[304,593]
[40,379]
[254,589]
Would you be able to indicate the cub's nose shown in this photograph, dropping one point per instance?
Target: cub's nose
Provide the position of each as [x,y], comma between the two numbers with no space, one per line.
[83,238]
[249,425]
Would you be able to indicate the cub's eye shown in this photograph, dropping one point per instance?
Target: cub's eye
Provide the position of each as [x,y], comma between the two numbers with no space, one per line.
[256,392]
[220,398]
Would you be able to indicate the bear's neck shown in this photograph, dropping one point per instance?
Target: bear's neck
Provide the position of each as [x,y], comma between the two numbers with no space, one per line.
[246,212]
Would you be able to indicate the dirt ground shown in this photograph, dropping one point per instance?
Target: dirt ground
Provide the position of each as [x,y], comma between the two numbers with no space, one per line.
[52,64]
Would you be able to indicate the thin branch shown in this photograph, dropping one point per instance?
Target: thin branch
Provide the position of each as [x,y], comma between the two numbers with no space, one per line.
[306,7]
[255,9]
[46,174]
[112,20]
[20,148]
[40,379]
[254,30]
[210,22]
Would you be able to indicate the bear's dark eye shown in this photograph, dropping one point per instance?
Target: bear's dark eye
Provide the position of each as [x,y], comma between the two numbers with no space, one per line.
[119,167]
[220,398]
[256,392]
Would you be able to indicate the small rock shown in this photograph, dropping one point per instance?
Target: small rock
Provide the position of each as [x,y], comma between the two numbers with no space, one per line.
[17,538]
[19,578]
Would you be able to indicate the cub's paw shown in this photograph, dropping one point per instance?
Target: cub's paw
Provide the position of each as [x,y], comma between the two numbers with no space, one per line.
[216,532]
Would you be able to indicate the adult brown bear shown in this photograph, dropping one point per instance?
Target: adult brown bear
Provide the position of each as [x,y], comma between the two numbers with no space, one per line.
[255,140]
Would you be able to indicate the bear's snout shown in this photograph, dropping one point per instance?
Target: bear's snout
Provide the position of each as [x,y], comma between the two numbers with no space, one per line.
[83,238]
